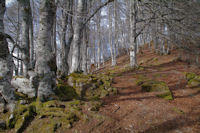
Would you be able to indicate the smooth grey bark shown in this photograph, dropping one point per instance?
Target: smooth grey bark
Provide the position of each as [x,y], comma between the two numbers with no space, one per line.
[76,63]
[32,47]
[133,38]
[66,42]
[17,39]
[26,15]
[84,51]
[53,34]
[115,34]
[110,36]
[7,96]
[45,59]
[64,50]
[99,39]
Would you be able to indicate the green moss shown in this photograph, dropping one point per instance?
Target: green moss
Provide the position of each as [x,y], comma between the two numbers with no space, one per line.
[15,77]
[104,93]
[166,95]
[189,75]
[21,96]
[141,79]
[94,105]
[193,83]
[22,115]
[156,86]
[65,92]
[179,111]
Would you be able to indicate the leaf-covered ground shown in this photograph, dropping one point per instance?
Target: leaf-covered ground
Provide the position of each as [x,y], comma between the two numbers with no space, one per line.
[136,111]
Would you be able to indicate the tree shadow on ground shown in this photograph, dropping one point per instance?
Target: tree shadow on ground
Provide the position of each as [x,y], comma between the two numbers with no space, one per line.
[176,123]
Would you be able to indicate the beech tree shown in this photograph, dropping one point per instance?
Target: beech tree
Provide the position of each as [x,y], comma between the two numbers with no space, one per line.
[46,61]
[7,96]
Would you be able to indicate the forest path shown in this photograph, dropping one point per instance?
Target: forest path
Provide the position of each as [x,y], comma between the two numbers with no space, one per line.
[134,111]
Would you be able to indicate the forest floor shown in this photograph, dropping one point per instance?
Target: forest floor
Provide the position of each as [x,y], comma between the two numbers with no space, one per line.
[134,111]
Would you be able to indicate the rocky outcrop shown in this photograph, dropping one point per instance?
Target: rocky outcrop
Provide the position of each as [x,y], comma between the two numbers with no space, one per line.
[23,85]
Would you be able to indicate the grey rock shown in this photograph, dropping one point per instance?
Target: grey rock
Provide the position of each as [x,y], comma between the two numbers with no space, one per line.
[70,81]
[24,86]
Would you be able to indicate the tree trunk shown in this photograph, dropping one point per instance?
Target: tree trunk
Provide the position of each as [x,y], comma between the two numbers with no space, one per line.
[116,34]
[26,14]
[99,39]
[76,63]
[45,59]
[31,30]
[133,46]
[110,37]
[7,96]
[64,50]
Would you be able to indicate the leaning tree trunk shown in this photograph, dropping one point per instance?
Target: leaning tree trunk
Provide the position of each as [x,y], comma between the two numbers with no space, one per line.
[76,63]
[7,96]
[26,14]
[45,61]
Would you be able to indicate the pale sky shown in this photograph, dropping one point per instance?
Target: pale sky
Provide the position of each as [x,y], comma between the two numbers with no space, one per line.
[9,1]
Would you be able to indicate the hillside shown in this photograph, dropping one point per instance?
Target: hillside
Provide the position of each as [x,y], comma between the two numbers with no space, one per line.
[161,95]
[134,111]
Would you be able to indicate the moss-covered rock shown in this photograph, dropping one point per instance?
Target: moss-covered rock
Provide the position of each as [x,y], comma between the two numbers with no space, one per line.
[193,79]
[21,117]
[155,86]
[55,114]
[91,86]
[193,83]
[65,92]
[189,75]
[166,95]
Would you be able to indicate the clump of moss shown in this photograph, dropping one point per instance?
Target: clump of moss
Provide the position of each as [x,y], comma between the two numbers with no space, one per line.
[94,105]
[141,79]
[65,92]
[22,115]
[189,75]
[55,114]
[193,79]
[166,95]
[193,83]
[155,86]
[91,86]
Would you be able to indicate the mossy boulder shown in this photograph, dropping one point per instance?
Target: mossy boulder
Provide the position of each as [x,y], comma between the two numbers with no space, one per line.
[193,79]
[189,75]
[90,86]
[55,114]
[166,95]
[195,82]
[155,86]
